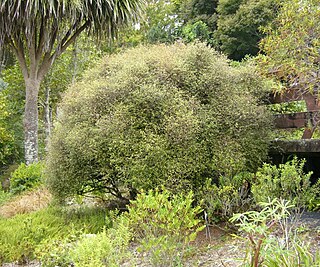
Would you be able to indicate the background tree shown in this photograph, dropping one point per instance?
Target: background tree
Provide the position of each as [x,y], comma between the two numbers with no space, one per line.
[238,26]
[292,46]
[167,21]
[38,32]
[192,11]
[7,142]
[199,19]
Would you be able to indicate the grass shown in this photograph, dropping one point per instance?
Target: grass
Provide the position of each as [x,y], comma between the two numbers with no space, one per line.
[22,234]
[25,203]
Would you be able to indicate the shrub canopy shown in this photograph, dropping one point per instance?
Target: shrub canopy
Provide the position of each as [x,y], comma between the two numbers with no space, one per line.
[161,115]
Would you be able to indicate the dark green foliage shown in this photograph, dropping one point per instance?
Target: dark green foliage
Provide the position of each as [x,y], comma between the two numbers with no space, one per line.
[193,11]
[162,115]
[238,32]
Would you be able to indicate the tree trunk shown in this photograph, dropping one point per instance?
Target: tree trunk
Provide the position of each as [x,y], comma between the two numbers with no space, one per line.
[47,117]
[31,120]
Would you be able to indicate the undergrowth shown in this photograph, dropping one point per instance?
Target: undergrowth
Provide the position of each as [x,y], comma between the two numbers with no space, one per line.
[22,234]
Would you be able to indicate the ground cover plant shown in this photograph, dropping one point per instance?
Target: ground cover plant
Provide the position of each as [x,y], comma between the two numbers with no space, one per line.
[26,177]
[161,115]
[22,234]
[161,226]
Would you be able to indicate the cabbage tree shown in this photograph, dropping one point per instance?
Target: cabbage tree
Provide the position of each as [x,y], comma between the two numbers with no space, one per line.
[39,31]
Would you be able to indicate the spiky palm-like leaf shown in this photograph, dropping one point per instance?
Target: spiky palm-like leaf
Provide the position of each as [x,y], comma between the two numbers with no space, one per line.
[38,31]
[43,29]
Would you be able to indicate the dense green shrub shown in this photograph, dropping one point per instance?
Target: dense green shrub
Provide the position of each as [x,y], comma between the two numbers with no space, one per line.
[164,225]
[161,115]
[287,181]
[26,177]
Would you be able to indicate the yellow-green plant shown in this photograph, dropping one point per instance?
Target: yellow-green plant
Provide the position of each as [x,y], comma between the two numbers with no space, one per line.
[287,181]
[26,177]
[162,115]
[164,225]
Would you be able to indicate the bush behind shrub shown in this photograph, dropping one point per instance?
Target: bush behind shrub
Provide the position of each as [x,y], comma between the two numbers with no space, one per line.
[26,177]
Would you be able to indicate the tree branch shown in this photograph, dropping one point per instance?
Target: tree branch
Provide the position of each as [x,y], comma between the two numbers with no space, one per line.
[41,40]
[65,42]
[18,50]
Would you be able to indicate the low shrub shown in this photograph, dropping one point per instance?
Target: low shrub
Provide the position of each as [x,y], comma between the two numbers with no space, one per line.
[287,181]
[107,248]
[271,237]
[227,196]
[164,225]
[258,226]
[26,177]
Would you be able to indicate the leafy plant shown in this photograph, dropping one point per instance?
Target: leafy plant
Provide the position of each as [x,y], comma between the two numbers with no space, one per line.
[287,181]
[107,248]
[298,254]
[164,225]
[4,197]
[272,237]
[26,177]
[228,196]
[154,116]
[258,225]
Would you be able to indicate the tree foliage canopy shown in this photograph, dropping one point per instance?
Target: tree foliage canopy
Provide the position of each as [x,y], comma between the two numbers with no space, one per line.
[151,116]
[44,29]
[292,46]
[239,21]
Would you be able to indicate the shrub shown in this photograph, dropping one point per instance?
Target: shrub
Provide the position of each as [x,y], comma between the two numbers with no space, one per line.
[272,239]
[258,225]
[161,115]
[163,225]
[26,177]
[287,181]
[108,248]
[230,195]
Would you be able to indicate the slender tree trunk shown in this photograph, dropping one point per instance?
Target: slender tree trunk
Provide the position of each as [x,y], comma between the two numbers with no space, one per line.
[31,120]
[47,116]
